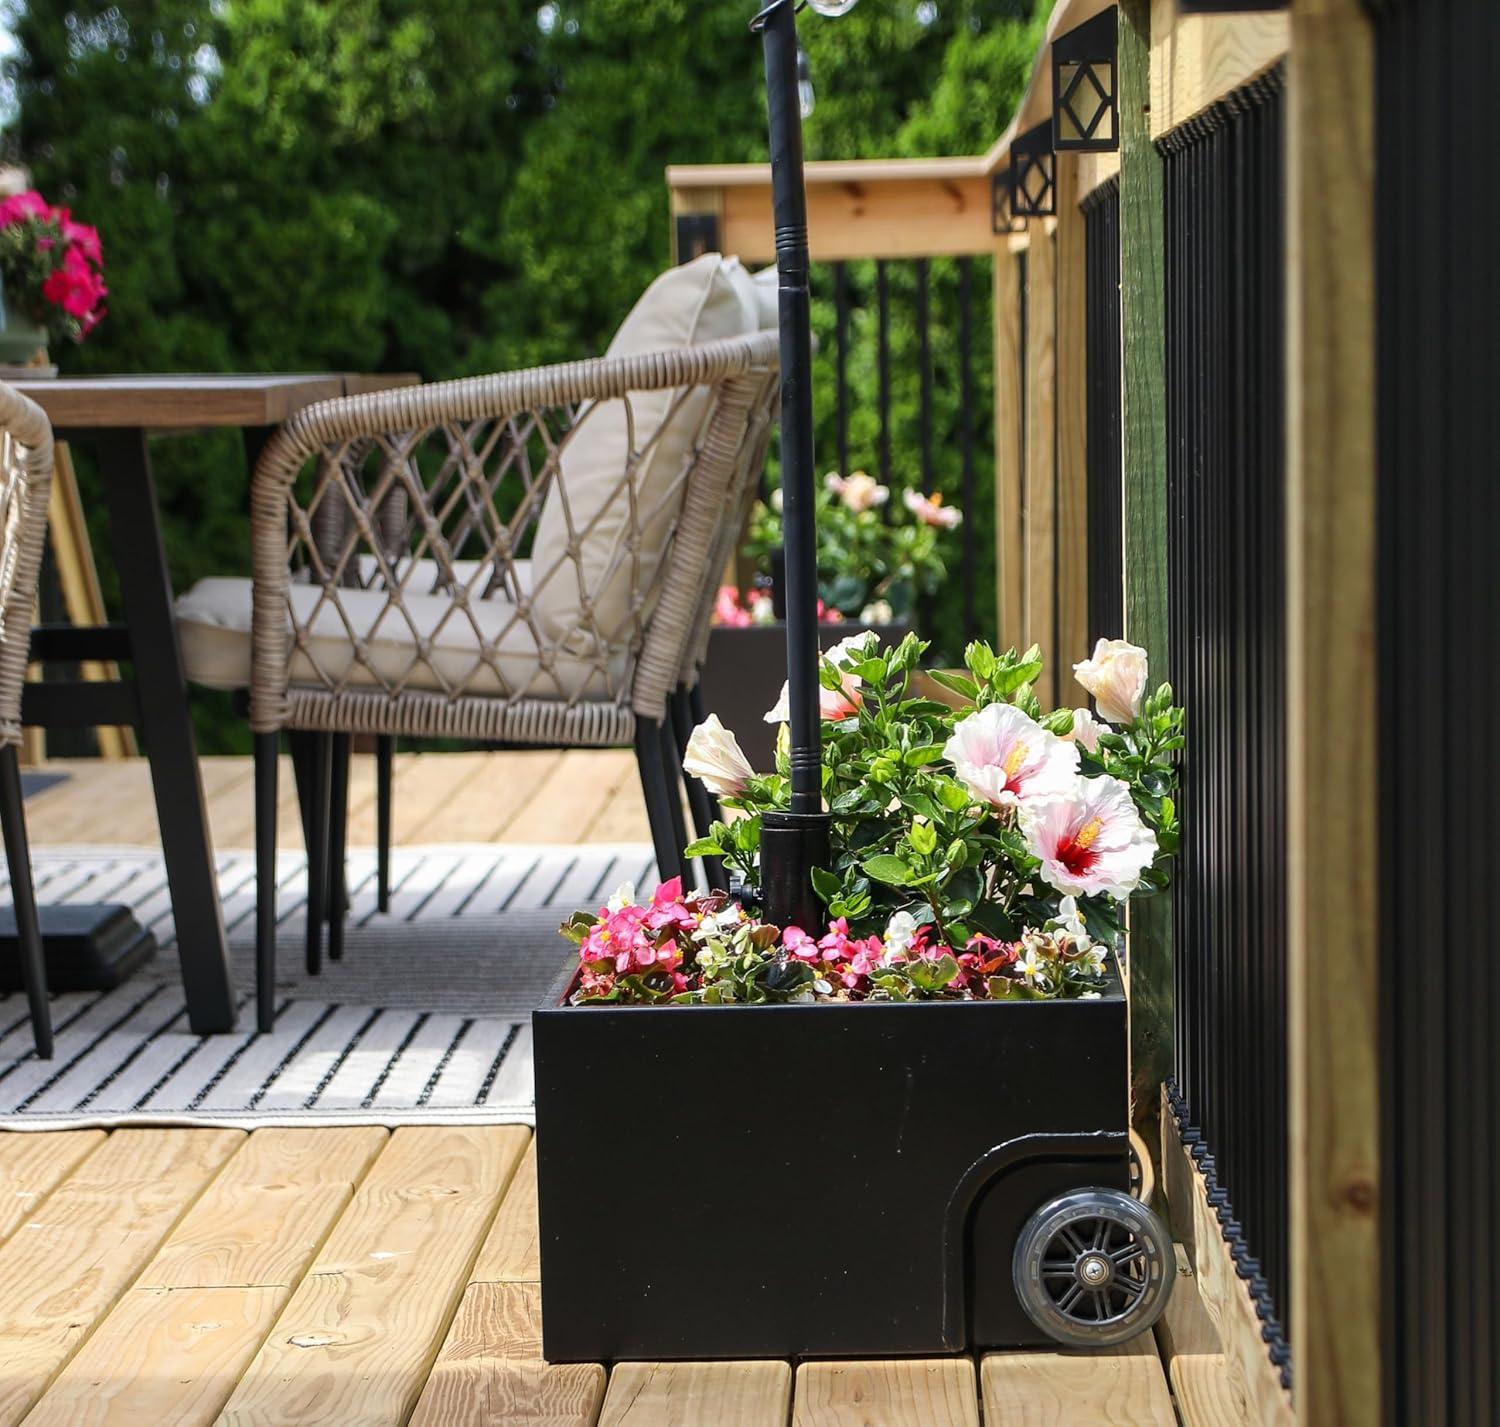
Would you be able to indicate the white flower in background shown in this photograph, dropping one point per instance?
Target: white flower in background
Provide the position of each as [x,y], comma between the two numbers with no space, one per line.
[930,510]
[715,758]
[834,482]
[1030,964]
[833,704]
[862,492]
[1004,758]
[1090,841]
[1094,958]
[877,612]
[623,896]
[776,500]
[1116,676]
[762,607]
[1070,919]
[1085,731]
[899,932]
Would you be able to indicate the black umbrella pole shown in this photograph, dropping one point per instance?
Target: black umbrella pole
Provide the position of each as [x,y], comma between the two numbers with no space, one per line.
[794,842]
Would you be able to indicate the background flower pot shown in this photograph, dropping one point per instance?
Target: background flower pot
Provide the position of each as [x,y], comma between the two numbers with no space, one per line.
[773,1181]
[744,672]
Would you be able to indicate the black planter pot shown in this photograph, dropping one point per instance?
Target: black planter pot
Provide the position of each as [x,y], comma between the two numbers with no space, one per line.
[776,1181]
[745,669]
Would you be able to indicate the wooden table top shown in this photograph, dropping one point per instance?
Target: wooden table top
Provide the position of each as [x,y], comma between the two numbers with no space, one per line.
[186,402]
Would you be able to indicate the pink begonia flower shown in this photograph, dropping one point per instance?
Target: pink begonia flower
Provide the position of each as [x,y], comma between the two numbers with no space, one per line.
[1115,674]
[714,757]
[1091,841]
[1005,758]
[21,206]
[1085,731]
[85,238]
[800,945]
[930,510]
[727,609]
[833,704]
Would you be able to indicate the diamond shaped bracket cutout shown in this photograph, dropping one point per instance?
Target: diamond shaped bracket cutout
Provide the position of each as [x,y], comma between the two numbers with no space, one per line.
[1084,74]
[1033,192]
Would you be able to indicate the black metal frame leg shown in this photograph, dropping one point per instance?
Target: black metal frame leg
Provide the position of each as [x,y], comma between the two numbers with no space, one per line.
[167,726]
[338,838]
[385,756]
[315,821]
[658,788]
[701,803]
[266,755]
[23,896]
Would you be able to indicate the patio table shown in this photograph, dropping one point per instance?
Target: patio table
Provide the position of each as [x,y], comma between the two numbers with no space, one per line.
[117,416]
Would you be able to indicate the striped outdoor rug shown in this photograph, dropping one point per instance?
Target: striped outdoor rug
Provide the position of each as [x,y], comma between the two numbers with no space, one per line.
[425,1019]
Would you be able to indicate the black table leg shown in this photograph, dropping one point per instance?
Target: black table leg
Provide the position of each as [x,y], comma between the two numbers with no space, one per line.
[146,589]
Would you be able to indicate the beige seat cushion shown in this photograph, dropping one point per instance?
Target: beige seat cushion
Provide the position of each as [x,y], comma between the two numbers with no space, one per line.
[583,565]
[214,623]
[424,577]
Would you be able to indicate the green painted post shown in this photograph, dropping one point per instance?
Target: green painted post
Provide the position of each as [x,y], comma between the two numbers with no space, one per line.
[1144,436]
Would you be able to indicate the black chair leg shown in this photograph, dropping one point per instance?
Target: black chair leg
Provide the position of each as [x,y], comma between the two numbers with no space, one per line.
[701,803]
[676,821]
[266,749]
[697,714]
[385,754]
[23,894]
[338,837]
[659,792]
[315,819]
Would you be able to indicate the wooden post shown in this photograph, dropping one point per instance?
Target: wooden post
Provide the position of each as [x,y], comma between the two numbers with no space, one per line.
[1009,425]
[1071,637]
[1144,440]
[1041,451]
[78,578]
[1332,718]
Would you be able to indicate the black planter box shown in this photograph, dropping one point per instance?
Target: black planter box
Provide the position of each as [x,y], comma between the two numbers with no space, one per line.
[830,1180]
[745,668]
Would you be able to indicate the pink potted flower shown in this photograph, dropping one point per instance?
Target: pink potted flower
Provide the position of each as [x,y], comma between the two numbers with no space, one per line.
[51,278]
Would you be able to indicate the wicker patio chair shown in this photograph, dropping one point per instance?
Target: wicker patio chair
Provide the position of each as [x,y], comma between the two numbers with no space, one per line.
[520,558]
[25,483]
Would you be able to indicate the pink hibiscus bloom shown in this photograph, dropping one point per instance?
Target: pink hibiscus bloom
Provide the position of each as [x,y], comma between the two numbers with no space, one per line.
[1091,840]
[1005,758]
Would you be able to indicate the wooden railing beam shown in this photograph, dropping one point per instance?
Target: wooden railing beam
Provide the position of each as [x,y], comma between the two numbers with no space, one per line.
[1143,424]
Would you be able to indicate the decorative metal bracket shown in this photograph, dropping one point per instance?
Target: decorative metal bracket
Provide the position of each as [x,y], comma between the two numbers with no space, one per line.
[694,235]
[1033,188]
[1002,220]
[1084,76]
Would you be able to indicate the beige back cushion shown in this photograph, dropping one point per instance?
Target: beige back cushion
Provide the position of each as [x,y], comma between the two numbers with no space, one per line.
[706,300]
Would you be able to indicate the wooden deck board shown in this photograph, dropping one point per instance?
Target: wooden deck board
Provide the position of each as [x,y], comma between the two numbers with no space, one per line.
[1122,1386]
[203,1306]
[926,1392]
[69,1262]
[490,1369]
[347,1276]
[32,1166]
[516,796]
[749,1394]
[359,1336]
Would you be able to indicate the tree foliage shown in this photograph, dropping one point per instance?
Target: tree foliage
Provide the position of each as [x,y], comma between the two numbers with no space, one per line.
[454,186]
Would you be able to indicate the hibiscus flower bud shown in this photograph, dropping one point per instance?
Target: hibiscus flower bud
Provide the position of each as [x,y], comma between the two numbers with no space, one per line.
[715,758]
[1116,676]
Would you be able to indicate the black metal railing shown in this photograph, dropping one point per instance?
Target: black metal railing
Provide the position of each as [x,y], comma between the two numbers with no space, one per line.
[1106,494]
[897,345]
[1226,431]
[1438,507]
